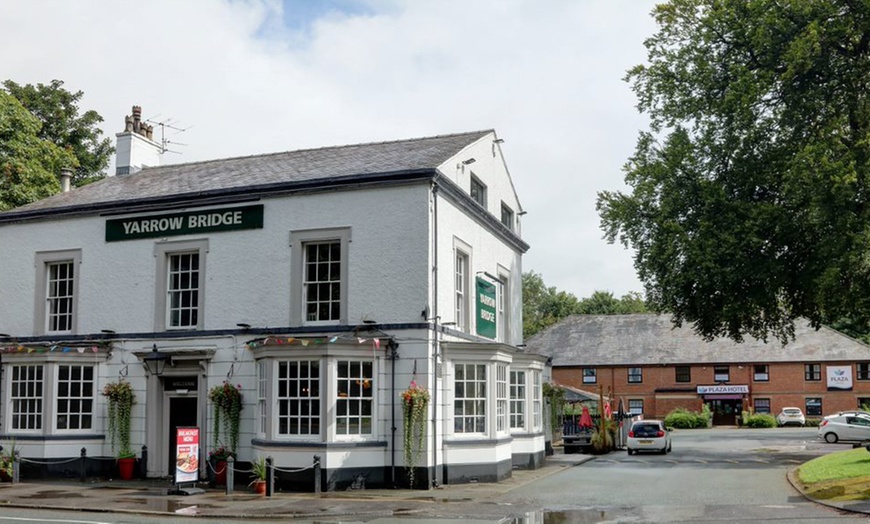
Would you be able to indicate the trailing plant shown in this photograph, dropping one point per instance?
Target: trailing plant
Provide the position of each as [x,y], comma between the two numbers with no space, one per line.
[120,397]
[555,397]
[7,456]
[415,401]
[220,454]
[227,405]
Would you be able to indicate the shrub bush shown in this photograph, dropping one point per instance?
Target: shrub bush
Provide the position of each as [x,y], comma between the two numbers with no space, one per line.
[813,422]
[759,420]
[682,418]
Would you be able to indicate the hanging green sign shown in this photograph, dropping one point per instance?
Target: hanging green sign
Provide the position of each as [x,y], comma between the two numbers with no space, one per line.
[187,223]
[485,308]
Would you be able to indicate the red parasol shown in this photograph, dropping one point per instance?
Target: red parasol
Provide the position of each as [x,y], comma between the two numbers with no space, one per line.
[586,418]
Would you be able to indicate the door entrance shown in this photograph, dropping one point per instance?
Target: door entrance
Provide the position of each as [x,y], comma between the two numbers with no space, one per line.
[182,413]
[725,411]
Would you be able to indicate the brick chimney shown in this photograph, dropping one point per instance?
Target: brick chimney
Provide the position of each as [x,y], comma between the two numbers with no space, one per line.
[136,148]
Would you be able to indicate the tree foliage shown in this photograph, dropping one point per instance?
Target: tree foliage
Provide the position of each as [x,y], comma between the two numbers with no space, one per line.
[748,203]
[543,306]
[58,110]
[29,165]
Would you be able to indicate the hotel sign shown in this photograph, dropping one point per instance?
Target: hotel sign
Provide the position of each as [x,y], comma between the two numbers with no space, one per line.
[720,390]
[187,223]
[839,378]
[485,308]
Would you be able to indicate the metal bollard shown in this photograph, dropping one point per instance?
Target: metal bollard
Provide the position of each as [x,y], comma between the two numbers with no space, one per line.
[16,465]
[84,465]
[270,477]
[317,473]
[143,464]
[230,474]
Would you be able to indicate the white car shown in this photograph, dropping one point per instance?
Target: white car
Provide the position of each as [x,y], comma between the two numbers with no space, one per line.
[791,416]
[648,435]
[855,428]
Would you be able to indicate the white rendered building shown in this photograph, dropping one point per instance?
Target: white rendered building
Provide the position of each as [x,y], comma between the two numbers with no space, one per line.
[320,281]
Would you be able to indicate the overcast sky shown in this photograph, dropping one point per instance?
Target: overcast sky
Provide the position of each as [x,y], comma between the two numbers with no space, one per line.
[260,76]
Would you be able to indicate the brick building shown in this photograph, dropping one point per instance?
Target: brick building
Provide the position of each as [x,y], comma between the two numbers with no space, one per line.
[655,367]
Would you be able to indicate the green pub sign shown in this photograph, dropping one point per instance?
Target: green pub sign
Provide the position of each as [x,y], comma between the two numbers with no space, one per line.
[485,308]
[187,223]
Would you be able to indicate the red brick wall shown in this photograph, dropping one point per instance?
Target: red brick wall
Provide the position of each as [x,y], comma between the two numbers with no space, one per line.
[786,386]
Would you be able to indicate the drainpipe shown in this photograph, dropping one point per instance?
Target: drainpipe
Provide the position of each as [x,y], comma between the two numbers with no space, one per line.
[436,353]
[392,346]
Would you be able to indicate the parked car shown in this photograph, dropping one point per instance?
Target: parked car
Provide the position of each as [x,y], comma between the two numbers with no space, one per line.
[855,412]
[648,435]
[791,416]
[854,428]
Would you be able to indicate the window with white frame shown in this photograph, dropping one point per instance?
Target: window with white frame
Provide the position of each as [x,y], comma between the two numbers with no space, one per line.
[635,375]
[180,284]
[501,397]
[262,391]
[469,398]
[56,291]
[762,405]
[537,403]
[478,191]
[589,376]
[503,308]
[507,216]
[75,397]
[298,395]
[761,373]
[518,400]
[635,406]
[322,281]
[26,397]
[59,302]
[355,402]
[461,286]
[183,290]
[319,265]
[721,373]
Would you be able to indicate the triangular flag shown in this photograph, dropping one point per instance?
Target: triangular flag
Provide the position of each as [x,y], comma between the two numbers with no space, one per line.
[360,340]
[378,343]
[304,342]
[290,340]
[333,339]
[81,350]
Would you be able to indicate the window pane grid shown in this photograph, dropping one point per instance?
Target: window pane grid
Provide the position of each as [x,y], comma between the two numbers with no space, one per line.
[812,372]
[461,289]
[298,398]
[518,400]
[683,374]
[75,397]
[59,299]
[355,398]
[262,388]
[183,290]
[26,397]
[322,281]
[863,371]
[635,375]
[501,397]
[469,404]
[537,403]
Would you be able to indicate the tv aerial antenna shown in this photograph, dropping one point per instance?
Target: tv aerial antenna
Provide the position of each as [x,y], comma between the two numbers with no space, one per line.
[174,128]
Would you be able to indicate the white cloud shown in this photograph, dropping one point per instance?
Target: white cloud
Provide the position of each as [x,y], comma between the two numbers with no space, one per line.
[545,75]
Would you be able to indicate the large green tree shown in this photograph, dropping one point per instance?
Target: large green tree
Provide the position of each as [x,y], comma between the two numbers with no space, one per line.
[29,165]
[748,202]
[62,124]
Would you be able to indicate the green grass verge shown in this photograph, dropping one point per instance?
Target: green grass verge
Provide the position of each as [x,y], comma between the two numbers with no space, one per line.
[840,465]
[842,476]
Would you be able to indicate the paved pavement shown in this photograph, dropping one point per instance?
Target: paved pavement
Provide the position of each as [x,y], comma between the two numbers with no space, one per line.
[151,497]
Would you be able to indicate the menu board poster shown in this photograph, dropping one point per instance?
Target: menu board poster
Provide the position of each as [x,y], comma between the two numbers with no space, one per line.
[187,455]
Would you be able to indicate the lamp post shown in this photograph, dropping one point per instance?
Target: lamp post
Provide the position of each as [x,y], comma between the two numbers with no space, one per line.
[155,361]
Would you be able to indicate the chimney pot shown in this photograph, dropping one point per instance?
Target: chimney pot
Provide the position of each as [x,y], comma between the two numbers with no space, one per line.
[65,180]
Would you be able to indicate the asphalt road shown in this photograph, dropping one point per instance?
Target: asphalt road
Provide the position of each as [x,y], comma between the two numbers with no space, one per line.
[718,475]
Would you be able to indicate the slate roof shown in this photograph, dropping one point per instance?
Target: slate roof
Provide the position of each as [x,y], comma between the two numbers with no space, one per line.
[641,339]
[307,167]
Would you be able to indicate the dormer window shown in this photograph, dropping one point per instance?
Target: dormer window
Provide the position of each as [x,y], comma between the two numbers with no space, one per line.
[507,216]
[478,191]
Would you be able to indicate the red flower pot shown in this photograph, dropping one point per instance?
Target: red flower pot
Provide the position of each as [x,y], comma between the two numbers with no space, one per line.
[126,467]
[220,473]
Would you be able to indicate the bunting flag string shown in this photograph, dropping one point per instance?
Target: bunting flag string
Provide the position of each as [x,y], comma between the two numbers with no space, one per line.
[48,349]
[305,342]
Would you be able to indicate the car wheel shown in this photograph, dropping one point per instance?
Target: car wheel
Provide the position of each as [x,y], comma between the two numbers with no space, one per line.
[631,452]
[831,438]
[669,448]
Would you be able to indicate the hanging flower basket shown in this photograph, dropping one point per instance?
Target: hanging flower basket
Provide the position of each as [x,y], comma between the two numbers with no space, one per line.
[120,397]
[415,401]
[227,404]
